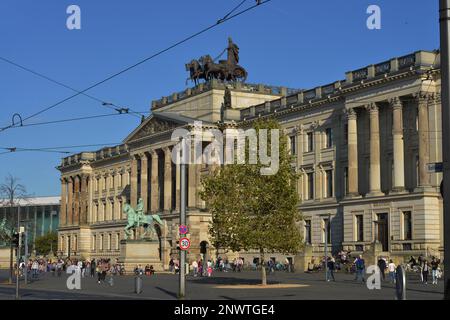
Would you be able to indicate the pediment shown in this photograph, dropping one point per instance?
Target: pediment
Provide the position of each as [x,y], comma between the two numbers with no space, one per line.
[154,124]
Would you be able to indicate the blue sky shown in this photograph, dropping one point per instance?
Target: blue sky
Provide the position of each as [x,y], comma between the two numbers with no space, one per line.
[299,44]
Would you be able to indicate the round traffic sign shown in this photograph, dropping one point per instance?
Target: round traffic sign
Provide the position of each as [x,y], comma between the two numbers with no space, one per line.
[185,243]
[183,229]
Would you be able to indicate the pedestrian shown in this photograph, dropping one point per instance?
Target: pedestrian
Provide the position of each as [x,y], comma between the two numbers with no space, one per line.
[330,270]
[195,267]
[434,269]
[34,269]
[99,272]
[391,268]
[425,270]
[210,270]
[93,268]
[360,267]
[382,266]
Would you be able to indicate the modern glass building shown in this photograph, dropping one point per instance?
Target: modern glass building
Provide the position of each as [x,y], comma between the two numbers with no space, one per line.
[39,216]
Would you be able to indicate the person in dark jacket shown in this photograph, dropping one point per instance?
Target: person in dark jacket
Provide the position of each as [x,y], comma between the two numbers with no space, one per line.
[331,265]
[382,265]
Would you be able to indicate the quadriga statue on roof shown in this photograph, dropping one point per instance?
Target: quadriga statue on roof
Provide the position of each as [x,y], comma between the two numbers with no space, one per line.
[206,67]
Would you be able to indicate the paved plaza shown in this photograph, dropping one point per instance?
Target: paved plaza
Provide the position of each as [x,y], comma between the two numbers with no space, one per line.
[222,286]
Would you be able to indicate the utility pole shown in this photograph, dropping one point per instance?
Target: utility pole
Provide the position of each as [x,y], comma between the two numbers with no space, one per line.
[444,22]
[183,150]
[11,201]
[326,250]
[26,255]
[18,254]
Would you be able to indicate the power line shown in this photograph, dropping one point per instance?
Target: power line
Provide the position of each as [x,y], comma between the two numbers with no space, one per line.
[259,3]
[70,120]
[104,103]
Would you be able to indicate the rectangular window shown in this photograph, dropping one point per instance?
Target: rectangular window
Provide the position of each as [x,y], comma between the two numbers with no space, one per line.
[346,180]
[407,225]
[293,140]
[326,228]
[359,220]
[329,178]
[308,231]
[109,241]
[346,133]
[310,185]
[329,136]
[100,246]
[117,241]
[104,182]
[94,240]
[310,143]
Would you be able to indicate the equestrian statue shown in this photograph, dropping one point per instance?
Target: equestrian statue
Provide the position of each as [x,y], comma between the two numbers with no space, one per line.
[226,70]
[137,218]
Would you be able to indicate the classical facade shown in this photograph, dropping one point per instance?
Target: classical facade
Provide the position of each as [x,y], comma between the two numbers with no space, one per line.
[361,146]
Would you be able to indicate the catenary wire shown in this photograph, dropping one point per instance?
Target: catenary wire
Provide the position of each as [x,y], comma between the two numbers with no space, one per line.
[259,3]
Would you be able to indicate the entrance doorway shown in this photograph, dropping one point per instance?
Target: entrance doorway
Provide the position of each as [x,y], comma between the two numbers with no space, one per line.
[382,230]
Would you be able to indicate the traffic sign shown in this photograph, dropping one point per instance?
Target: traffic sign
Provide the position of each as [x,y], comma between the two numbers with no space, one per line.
[435,167]
[183,229]
[185,244]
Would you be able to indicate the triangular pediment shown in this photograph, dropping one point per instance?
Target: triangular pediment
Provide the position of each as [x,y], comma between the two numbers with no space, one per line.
[157,122]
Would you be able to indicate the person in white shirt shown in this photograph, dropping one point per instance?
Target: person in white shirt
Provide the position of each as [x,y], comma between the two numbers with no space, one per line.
[195,267]
[391,268]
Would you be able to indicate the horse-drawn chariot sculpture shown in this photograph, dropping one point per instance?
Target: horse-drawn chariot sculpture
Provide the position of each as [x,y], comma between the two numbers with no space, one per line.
[226,70]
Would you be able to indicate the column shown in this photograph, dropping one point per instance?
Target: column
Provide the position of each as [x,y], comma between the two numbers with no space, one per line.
[144,182]
[83,199]
[352,149]
[167,179]
[424,154]
[154,182]
[375,170]
[299,135]
[133,182]
[397,134]
[63,210]
[70,202]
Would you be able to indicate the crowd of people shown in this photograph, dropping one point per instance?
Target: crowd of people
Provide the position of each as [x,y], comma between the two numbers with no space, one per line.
[343,261]
[95,267]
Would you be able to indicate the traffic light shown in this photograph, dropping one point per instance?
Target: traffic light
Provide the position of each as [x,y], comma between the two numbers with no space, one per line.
[15,239]
[178,245]
[22,238]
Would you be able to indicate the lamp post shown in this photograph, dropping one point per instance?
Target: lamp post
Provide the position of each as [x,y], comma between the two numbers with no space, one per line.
[444,22]
[183,150]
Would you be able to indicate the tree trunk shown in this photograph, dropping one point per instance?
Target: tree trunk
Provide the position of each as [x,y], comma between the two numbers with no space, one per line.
[263,268]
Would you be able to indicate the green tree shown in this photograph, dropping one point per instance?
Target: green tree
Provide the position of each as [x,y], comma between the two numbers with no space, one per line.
[251,211]
[46,243]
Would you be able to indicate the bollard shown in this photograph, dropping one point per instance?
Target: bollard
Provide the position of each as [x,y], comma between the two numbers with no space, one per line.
[138,285]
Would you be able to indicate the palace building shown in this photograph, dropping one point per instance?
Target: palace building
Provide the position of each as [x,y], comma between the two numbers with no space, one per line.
[362,147]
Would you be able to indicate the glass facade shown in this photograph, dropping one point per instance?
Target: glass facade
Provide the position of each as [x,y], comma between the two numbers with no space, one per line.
[37,219]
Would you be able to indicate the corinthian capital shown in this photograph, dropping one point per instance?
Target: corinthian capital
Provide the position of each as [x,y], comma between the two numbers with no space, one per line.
[351,113]
[372,107]
[395,102]
[421,97]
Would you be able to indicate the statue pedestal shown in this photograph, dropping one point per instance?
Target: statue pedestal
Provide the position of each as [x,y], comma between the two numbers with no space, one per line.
[140,252]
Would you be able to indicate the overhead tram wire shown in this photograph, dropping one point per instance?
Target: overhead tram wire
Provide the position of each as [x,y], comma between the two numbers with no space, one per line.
[226,18]
[104,103]
[71,119]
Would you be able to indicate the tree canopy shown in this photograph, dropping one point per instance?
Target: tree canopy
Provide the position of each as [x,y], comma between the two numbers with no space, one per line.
[251,211]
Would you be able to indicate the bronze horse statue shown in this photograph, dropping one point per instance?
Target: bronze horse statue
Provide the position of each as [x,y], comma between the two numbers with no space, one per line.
[196,71]
[226,70]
